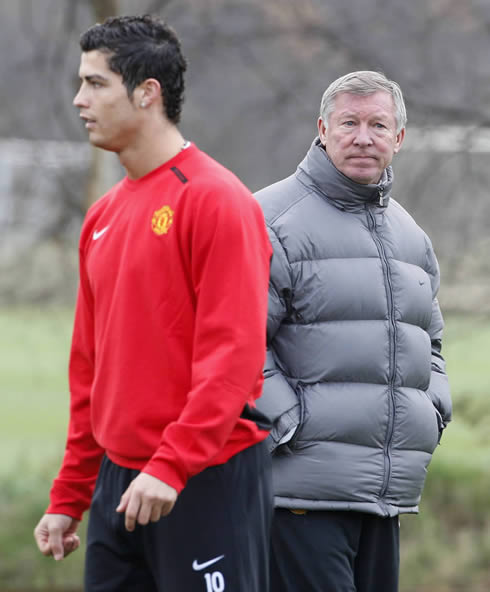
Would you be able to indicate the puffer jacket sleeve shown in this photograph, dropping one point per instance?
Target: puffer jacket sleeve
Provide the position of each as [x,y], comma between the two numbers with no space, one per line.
[439,386]
[278,401]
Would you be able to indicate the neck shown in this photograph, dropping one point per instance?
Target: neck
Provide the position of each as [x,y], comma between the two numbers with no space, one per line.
[154,146]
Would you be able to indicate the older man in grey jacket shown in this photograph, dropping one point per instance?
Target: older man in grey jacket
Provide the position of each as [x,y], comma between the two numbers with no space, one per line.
[355,381]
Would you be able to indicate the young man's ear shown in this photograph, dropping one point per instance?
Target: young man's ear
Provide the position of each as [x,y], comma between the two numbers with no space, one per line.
[147,93]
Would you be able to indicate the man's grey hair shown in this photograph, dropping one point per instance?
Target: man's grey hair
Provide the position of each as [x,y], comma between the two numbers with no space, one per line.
[364,82]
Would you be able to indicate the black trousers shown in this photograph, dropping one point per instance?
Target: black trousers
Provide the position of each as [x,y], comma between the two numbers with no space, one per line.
[334,552]
[215,539]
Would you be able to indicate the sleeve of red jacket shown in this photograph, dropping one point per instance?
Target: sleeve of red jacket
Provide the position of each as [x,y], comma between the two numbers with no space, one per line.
[230,274]
[72,490]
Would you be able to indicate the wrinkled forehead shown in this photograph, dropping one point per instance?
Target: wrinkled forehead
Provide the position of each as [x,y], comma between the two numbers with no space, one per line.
[379,103]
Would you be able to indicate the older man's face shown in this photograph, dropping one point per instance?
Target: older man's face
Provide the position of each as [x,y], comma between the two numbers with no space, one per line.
[361,137]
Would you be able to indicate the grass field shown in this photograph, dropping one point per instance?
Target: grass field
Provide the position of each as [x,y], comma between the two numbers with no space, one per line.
[445,549]
[35,345]
[33,382]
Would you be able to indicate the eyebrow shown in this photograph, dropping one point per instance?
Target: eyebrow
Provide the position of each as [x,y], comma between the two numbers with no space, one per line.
[94,77]
[353,115]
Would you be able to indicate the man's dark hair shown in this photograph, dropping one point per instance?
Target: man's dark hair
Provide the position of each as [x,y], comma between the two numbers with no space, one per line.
[141,47]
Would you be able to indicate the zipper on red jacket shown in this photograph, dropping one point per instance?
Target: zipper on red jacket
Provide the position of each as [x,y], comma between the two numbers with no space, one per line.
[391,313]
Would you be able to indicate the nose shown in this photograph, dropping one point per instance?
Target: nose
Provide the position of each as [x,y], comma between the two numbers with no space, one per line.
[363,136]
[79,99]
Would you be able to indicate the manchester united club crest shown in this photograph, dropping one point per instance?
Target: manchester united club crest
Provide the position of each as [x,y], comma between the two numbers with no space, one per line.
[162,220]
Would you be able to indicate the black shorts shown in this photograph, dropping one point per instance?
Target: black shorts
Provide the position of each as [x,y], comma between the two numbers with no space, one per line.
[215,539]
[329,551]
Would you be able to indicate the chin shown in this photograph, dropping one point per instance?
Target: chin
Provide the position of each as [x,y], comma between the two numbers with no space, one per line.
[364,178]
[95,141]
[100,143]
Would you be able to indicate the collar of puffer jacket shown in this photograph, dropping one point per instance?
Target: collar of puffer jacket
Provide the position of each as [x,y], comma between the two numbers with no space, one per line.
[317,169]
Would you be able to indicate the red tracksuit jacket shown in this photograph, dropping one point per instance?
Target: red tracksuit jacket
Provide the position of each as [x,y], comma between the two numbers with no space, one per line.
[169,336]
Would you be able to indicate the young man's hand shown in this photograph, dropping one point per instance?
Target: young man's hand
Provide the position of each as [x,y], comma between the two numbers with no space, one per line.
[56,535]
[146,499]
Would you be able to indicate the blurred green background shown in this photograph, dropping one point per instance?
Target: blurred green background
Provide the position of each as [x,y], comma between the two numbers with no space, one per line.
[446,548]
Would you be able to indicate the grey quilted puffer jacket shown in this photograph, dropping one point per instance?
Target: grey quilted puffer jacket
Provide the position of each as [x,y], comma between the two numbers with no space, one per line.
[355,381]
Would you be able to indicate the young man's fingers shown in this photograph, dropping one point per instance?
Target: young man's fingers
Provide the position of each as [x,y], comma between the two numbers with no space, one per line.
[71,543]
[51,533]
[167,507]
[145,511]
[55,543]
[132,510]
[42,542]
[156,513]
[123,503]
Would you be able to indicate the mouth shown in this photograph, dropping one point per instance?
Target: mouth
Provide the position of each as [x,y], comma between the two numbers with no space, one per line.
[89,123]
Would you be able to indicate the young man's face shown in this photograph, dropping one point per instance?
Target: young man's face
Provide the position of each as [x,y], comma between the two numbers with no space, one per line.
[110,116]
[361,137]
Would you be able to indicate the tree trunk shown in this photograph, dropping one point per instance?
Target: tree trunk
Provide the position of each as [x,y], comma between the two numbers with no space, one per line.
[104,8]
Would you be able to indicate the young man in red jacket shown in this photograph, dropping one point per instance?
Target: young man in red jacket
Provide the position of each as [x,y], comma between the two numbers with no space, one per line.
[168,344]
